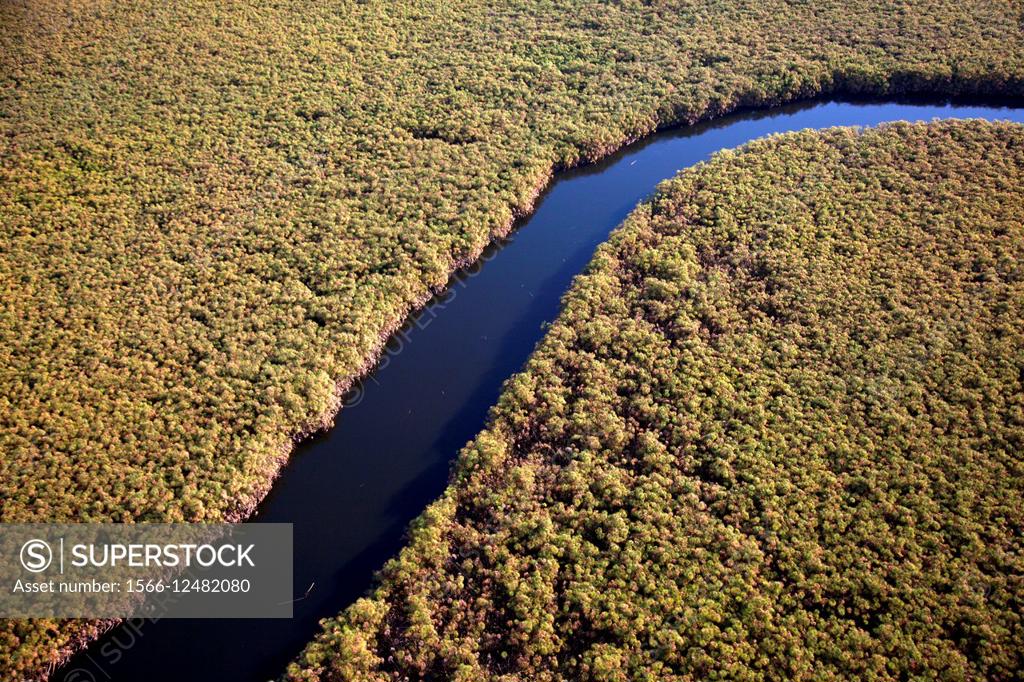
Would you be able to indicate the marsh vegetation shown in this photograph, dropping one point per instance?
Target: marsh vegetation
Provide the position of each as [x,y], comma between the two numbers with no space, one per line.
[774,434]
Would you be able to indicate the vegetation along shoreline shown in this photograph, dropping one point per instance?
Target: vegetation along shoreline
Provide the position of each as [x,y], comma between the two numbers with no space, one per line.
[774,434]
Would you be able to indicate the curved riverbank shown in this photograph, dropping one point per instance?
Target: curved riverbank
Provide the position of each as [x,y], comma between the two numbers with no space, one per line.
[774,433]
[388,455]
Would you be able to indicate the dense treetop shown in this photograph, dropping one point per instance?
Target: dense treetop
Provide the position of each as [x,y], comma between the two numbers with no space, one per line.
[776,433]
[211,213]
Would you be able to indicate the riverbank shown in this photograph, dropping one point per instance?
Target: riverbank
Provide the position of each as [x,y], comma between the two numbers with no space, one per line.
[771,434]
[433,390]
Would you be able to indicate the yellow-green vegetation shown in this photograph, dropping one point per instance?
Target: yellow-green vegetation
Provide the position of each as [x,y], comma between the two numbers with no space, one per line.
[211,213]
[776,433]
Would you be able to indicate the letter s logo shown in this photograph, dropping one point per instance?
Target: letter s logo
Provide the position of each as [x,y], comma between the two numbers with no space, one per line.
[36,556]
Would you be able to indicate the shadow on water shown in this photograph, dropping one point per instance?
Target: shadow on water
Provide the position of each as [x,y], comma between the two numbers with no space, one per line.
[352,491]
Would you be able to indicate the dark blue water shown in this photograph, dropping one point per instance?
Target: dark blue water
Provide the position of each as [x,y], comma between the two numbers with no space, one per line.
[352,491]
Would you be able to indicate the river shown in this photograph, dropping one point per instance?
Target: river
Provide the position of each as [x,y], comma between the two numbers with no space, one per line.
[352,491]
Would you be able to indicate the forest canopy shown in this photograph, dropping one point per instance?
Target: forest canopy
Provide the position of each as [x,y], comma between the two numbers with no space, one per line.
[213,213]
[775,433]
